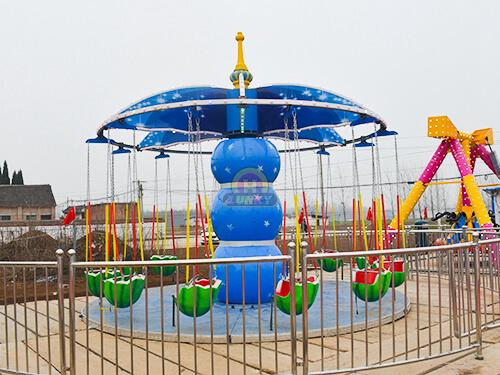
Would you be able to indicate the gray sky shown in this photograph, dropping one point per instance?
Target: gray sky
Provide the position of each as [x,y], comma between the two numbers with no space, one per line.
[65,67]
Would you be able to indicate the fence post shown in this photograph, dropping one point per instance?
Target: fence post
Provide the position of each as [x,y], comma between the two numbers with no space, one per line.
[305,326]
[60,298]
[453,292]
[477,293]
[72,364]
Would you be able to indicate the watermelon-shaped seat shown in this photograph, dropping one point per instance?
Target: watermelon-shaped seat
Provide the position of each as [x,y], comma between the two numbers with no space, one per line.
[128,270]
[164,270]
[186,301]
[370,285]
[361,262]
[330,264]
[283,294]
[399,269]
[123,285]
[94,279]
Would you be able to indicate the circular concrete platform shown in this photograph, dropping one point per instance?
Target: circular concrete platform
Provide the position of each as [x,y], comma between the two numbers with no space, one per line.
[235,316]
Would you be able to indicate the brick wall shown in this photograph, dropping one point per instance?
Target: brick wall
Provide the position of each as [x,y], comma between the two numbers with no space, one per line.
[27,213]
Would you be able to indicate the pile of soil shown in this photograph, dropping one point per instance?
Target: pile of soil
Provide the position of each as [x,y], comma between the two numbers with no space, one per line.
[98,241]
[33,245]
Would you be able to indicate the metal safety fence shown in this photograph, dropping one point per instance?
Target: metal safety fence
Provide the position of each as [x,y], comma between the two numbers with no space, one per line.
[342,311]
[33,334]
[434,311]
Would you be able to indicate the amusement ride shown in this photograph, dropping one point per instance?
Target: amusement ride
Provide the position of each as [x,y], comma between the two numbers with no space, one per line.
[246,214]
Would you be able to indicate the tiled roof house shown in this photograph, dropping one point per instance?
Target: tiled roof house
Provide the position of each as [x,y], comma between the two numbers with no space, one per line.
[27,202]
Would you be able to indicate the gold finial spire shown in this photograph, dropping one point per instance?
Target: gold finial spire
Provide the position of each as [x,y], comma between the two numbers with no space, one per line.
[240,68]
[241,63]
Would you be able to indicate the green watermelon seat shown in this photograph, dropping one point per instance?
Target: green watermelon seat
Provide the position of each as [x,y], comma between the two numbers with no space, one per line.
[361,262]
[94,279]
[330,264]
[123,285]
[399,269]
[164,270]
[185,299]
[283,294]
[368,283]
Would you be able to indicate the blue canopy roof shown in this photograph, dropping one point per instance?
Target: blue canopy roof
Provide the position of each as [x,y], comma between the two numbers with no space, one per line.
[321,136]
[165,115]
[164,139]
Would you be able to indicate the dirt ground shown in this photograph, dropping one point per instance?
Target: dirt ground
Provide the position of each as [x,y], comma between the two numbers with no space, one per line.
[22,284]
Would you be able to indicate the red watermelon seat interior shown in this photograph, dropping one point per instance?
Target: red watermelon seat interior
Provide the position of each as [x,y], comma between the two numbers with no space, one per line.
[283,288]
[398,265]
[309,280]
[203,282]
[371,276]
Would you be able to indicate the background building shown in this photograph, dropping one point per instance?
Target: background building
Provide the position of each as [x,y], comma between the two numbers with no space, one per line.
[98,211]
[27,202]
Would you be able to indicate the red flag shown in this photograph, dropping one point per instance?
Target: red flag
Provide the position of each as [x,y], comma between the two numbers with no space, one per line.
[70,216]
[369,215]
[301,216]
[425,213]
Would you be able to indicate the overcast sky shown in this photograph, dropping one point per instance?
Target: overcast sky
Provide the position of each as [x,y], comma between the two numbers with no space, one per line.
[65,67]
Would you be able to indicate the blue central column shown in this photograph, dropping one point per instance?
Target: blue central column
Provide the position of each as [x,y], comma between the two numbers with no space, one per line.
[246,215]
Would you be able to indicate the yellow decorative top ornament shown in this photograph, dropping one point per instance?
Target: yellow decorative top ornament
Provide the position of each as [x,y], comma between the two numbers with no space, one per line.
[240,68]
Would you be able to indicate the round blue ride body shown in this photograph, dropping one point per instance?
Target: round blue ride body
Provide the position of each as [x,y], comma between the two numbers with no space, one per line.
[246,215]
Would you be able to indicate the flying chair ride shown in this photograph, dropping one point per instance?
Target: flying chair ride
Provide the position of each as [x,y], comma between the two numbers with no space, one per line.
[246,213]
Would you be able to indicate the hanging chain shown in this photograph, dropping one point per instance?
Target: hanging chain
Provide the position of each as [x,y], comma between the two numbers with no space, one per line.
[112,176]
[374,173]
[297,153]
[155,198]
[107,169]
[318,159]
[377,164]
[198,154]
[201,160]
[293,172]
[135,183]
[129,181]
[398,177]
[169,183]
[88,172]
[287,139]
[190,140]
[355,171]
[353,159]
[329,194]
[215,188]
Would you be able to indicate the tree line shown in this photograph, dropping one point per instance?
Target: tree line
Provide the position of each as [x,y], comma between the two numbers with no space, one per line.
[17,176]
